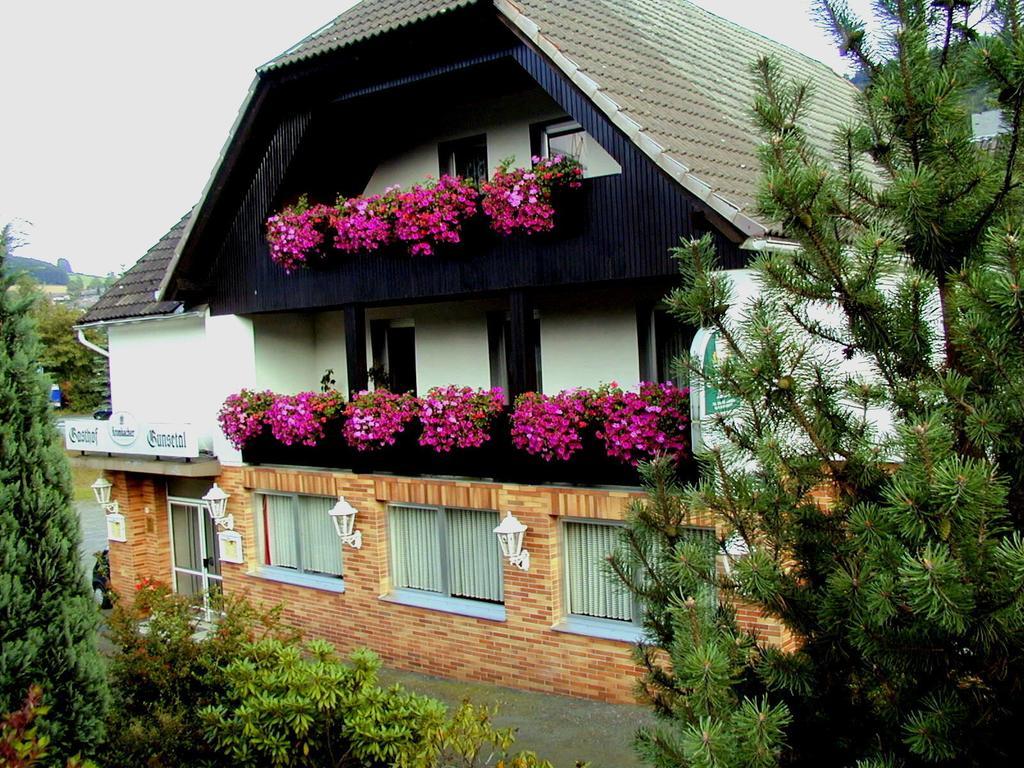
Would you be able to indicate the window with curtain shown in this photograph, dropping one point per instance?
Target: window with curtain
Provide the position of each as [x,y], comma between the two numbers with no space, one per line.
[298,534]
[591,590]
[450,551]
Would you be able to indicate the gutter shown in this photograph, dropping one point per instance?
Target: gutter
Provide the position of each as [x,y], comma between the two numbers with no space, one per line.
[199,311]
[88,344]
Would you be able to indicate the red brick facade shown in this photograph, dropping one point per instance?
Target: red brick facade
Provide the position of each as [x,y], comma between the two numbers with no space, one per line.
[523,651]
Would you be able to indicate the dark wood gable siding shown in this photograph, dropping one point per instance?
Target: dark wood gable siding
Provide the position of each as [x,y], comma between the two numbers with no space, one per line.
[621,229]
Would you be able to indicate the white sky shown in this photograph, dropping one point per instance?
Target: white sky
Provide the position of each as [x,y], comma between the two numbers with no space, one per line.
[115,110]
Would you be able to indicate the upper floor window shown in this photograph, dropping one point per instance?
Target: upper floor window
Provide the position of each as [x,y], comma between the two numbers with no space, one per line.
[298,534]
[565,138]
[450,552]
[393,345]
[466,158]
[499,347]
[663,341]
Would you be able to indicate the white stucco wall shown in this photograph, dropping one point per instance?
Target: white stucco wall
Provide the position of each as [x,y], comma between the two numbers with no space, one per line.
[451,346]
[159,371]
[285,346]
[506,122]
[329,348]
[230,341]
[588,345]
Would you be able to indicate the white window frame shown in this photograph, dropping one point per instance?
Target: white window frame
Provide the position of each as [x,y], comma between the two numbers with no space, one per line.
[297,575]
[561,128]
[598,626]
[444,600]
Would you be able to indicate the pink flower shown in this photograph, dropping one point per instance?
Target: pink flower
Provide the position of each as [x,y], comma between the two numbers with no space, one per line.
[458,417]
[550,426]
[301,418]
[242,416]
[375,419]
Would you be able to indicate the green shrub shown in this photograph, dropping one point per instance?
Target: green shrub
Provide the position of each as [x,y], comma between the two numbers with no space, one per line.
[167,668]
[21,744]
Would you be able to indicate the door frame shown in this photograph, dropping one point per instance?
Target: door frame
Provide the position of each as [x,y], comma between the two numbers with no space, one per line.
[200,509]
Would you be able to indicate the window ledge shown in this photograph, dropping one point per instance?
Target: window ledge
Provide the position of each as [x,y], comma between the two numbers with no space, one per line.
[435,602]
[606,629]
[284,576]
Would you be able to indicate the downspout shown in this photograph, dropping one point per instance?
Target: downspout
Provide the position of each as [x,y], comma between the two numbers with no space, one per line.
[90,346]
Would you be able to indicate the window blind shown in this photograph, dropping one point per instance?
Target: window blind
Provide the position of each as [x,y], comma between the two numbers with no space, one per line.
[415,548]
[474,557]
[321,547]
[591,590]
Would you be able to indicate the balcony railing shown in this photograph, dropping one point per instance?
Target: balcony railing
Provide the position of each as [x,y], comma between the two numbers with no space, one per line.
[496,460]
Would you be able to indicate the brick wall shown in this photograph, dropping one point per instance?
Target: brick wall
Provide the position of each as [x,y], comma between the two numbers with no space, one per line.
[523,651]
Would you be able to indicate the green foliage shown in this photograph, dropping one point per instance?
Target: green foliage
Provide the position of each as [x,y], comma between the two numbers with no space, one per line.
[81,373]
[247,692]
[905,593]
[167,666]
[293,706]
[47,615]
[21,744]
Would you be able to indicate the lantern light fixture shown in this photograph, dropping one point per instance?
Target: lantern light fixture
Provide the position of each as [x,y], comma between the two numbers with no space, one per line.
[343,515]
[101,490]
[510,537]
[216,501]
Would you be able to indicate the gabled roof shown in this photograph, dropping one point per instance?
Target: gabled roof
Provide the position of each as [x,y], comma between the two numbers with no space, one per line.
[134,294]
[673,76]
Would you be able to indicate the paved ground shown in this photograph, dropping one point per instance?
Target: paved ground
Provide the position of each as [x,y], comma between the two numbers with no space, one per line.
[558,728]
[94,533]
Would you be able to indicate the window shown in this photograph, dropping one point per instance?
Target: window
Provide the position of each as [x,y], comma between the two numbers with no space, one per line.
[298,534]
[591,591]
[466,158]
[393,344]
[499,348]
[663,340]
[451,552]
[562,137]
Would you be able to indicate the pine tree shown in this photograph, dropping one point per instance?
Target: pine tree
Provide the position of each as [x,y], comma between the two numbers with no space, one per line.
[48,619]
[893,557]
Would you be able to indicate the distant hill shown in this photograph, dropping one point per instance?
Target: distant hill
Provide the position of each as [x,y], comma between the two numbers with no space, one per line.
[44,272]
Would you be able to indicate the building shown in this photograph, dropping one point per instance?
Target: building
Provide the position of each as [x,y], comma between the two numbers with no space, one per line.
[652,96]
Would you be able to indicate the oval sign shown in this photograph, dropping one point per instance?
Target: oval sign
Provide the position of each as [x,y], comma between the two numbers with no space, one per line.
[123,428]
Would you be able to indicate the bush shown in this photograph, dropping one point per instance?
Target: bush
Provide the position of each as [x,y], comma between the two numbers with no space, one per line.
[166,669]
[21,744]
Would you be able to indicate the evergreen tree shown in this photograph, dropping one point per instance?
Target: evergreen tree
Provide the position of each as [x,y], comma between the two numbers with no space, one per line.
[893,557]
[48,618]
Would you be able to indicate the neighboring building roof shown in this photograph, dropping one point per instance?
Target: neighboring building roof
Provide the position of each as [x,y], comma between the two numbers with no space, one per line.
[674,77]
[134,294]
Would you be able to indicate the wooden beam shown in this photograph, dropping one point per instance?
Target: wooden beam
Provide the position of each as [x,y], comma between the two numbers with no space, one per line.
[522,363]
[355,347]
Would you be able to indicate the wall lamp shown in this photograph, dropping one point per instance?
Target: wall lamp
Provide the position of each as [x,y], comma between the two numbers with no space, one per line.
[116,528]
[510,537]
[216,504]
[344,516]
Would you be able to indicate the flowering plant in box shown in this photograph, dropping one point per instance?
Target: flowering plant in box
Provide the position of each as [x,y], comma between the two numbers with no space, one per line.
[433,213]
[375,419]
[550,426]
[640,425]
[458,417]
[519,199]
[242,416]
[301,418]
[363,224]
[296,232]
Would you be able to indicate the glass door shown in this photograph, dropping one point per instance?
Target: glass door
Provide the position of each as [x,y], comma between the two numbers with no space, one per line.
[194,549]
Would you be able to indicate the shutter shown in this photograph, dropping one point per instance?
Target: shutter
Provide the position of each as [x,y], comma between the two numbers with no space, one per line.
[321,547]
[592,590]
[474,557]
[279,521]
[415,548]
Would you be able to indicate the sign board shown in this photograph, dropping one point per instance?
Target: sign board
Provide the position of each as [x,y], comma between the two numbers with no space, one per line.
[123,434]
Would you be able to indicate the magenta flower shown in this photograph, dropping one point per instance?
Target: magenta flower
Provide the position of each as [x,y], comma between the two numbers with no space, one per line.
[375,419]
[640,425]
[551,426]
[242,416]
[301,418]
[458,417]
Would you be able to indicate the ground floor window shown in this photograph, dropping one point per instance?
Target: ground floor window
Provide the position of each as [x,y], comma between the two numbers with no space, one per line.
[298,534]
[591,589]
[452,552]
